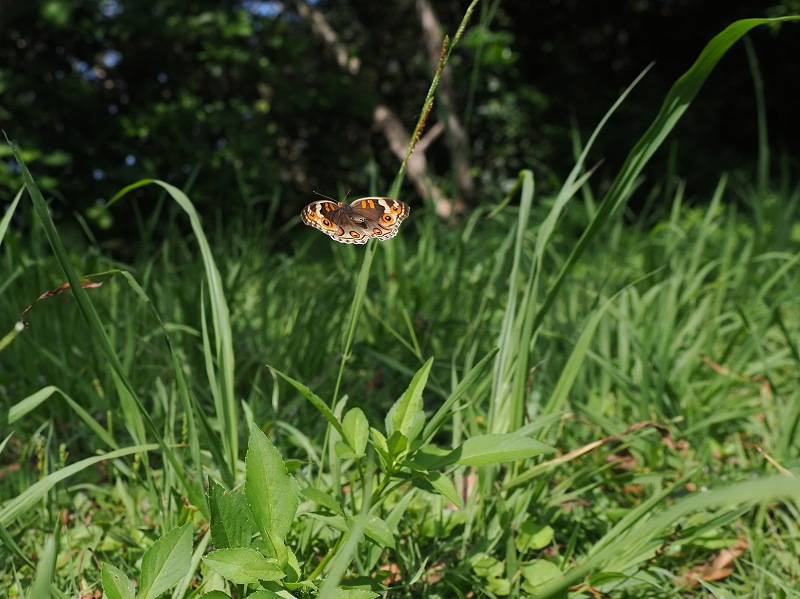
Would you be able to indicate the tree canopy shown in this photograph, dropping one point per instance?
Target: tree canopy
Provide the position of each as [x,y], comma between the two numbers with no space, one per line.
[244,100]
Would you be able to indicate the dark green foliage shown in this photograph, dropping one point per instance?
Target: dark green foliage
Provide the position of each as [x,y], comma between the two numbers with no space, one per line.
[245,96]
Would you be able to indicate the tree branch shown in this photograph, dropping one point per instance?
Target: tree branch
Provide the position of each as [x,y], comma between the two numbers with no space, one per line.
[417,166]
[320,26]
[389,124]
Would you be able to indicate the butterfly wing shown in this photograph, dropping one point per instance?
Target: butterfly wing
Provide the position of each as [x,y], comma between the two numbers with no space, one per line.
[380,217]
[332,218]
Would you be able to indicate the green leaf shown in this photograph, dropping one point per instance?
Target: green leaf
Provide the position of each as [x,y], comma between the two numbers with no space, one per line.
[537,574]
[377,530]
[322,499]
[6,540]
[407,415]
[4,222]
[344,451]
[256,595]
[430,457]
[356,430]
[498,586]
[115,584]
[315,400]
[271,492]
[243,566]
[28,404]
[231,523]
[486,566]
[264,594]
[397,445]
[45,569]
[379,441]
[166,562]
[291,568]
[336,522]
[533,536]
[604,578]
[341,593]
[483,450]
[445,487]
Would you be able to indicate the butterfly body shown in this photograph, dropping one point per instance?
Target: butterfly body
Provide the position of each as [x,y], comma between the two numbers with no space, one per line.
[359,221]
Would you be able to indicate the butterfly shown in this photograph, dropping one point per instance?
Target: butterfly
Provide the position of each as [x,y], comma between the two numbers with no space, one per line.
[359,221]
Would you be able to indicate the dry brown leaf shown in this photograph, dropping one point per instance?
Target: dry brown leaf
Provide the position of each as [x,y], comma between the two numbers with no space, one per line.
[394,573]
[718,567]
[622,462]
[85,283]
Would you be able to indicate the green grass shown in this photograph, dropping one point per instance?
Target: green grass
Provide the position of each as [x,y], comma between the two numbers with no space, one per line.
[496,408]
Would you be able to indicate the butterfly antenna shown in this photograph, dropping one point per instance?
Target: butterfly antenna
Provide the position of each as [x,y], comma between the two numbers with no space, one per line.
[347,194]
[324,196]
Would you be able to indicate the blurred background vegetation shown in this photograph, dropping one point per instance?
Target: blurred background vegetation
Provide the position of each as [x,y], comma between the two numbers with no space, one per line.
[251,104]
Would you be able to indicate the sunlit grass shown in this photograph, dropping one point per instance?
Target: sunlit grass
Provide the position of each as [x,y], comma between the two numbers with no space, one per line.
[687,339]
